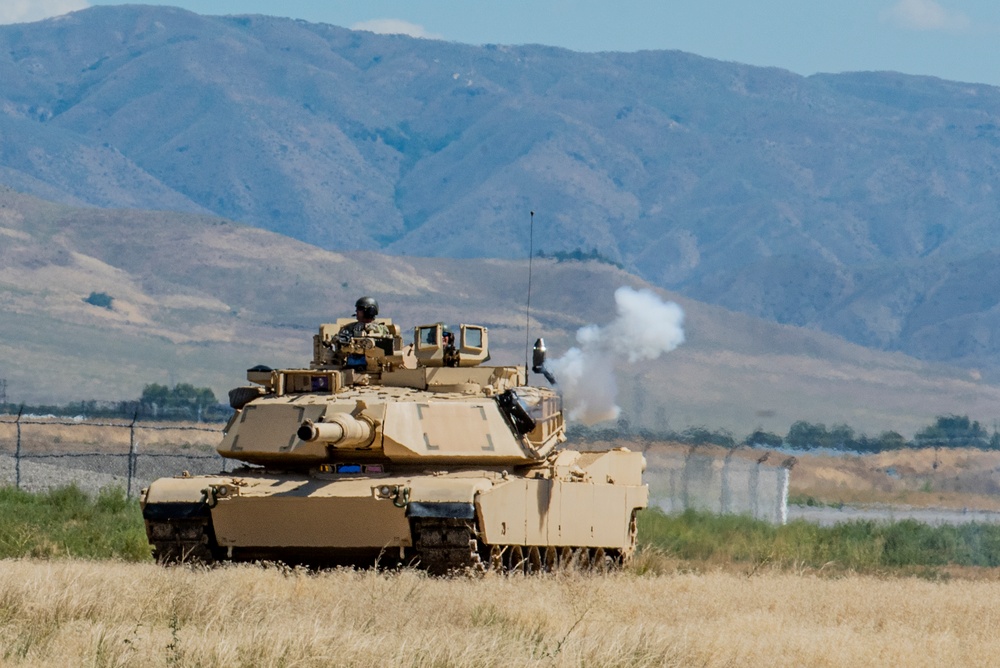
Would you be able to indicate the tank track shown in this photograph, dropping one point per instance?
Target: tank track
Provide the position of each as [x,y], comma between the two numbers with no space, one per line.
[450,546]
[443,546]
[181,541]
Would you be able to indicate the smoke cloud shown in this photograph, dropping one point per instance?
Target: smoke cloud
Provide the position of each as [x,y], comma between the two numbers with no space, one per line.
[645,328]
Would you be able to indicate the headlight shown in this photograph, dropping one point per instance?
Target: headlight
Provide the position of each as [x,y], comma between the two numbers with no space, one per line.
[385,491]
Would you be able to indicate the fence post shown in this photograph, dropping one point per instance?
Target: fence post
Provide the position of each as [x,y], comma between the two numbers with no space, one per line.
[17,450]
[726,504]
[131,453]
[755,487]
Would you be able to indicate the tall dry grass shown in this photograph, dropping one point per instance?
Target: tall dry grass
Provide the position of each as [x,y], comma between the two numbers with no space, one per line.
[71,613]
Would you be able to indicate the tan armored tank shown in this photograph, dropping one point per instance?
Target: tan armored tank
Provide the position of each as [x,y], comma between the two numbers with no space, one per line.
[388,453]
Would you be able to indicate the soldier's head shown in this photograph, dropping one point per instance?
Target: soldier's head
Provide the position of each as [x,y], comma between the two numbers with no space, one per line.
[366,309]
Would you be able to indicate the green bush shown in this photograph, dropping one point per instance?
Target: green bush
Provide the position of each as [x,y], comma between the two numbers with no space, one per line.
[67,522]
[862,546]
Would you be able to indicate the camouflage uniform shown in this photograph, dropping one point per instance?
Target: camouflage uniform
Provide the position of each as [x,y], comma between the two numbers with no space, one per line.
[358,329]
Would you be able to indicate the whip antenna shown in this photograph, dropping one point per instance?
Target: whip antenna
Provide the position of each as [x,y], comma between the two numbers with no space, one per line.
[527,311]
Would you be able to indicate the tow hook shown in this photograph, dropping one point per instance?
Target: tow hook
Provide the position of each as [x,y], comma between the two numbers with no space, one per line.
[398,494]
[213,493]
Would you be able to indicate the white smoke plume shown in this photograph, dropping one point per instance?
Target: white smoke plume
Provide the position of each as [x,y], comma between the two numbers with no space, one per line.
[645,328]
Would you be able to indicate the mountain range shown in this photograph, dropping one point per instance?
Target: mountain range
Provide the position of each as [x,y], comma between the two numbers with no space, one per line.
[859,204]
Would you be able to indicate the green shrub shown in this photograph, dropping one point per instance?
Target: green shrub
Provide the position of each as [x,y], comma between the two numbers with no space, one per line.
[862,546]
[67,522]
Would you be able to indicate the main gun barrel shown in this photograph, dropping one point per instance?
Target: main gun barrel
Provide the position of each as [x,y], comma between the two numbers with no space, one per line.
[340,431]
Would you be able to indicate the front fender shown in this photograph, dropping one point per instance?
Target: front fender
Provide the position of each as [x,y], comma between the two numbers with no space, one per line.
[180,498]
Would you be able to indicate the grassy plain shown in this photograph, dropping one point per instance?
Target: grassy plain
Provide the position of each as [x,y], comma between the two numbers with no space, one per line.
[74,613]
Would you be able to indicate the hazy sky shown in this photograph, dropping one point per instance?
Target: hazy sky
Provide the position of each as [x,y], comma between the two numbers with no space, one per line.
[952,39]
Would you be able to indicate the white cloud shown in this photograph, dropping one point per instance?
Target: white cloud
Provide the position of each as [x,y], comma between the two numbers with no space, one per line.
[926,15]
[395,27]
[26,11]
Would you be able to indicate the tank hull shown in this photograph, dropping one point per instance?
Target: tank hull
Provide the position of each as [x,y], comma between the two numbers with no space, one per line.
[578,506]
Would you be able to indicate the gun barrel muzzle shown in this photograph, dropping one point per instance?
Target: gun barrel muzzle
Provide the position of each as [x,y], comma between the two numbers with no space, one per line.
[342,431]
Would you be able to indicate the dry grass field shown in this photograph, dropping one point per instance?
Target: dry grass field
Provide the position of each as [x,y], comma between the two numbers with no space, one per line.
[75,613]
[945,478]
[42,435]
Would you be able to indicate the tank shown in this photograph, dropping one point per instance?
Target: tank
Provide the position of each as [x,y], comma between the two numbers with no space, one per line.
[386,453]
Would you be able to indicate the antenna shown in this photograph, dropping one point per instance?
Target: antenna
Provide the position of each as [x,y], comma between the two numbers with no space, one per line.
[527,311]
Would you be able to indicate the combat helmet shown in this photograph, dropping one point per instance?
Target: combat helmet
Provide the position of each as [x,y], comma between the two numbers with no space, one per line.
[368,307]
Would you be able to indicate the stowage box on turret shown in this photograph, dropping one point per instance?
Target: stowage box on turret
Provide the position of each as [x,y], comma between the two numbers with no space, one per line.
[385,453]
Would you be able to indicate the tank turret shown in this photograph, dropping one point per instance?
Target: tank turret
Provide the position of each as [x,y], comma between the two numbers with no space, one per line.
[415,448]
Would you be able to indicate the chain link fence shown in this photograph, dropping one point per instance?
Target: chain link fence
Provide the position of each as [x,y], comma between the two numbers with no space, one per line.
[719,480]
[44,452]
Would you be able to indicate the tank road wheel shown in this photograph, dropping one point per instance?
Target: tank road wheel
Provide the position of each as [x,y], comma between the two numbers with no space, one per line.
[496,559]
[181,541]
[551,559]
[534,559]
[602,562]
[476,564]
[566,559]
[516,563]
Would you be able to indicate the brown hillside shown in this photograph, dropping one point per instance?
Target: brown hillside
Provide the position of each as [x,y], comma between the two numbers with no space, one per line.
[947,478]
[200,299]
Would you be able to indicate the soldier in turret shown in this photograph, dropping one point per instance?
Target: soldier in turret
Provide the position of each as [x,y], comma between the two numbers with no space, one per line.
[364,327]
[365,309]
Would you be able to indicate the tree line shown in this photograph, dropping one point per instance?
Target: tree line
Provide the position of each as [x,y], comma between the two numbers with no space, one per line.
[182,402]
[579,255]
[947,431]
